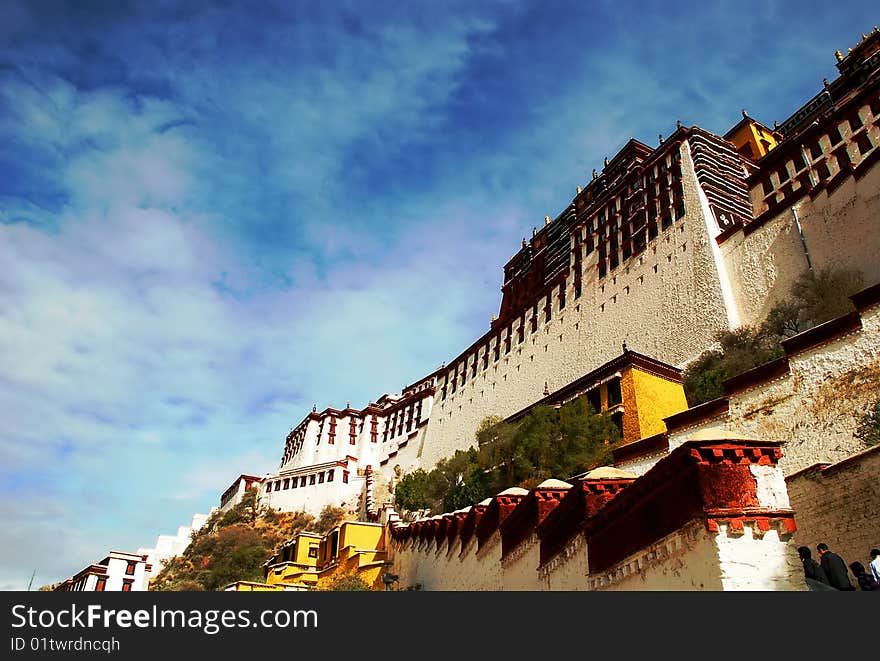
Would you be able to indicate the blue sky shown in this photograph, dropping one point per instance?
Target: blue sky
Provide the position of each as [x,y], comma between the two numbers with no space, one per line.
[215,215]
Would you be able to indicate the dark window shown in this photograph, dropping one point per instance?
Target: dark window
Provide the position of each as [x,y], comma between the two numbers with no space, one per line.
[562,296]
[302,481]
[330,475]
[345,477]
[126,585]
[312,479]
[855,123]
[594,399]
[101,584]
[313,550]
[321,478]
[863,143]
[617,419]
[286,483]
[129,569]
[614,395]
[815,150]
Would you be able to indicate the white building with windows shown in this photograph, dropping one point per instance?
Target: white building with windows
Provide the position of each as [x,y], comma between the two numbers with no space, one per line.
[118,572]
[331,457]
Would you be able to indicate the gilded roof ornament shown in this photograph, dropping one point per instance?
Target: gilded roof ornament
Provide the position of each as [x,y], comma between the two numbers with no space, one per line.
[546,220]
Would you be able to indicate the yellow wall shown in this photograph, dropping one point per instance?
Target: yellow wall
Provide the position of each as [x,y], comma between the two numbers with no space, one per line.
[300,569]
[631,417]
[249,586]
[760,139]
[361,552]
[655,398]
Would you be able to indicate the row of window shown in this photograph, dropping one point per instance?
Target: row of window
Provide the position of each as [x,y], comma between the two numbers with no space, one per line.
[821,157]
[282,484]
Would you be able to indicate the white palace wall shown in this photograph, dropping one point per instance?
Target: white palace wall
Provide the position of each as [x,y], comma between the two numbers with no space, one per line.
[666,303]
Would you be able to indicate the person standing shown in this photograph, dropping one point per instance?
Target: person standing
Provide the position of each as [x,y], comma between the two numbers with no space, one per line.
[834,567]
[864,579]
[812,570]
[874,567]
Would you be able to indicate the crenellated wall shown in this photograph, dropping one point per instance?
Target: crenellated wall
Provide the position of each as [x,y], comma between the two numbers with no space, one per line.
[712,515]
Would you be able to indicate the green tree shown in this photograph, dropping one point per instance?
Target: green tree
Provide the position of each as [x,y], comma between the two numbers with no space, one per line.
[814,298]
[411,493]
[347,583]
[237,554]
[868,428]
[329,518]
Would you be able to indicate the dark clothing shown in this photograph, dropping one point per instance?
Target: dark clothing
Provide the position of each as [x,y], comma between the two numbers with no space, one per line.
[836,571]
[813,570]
[867,582]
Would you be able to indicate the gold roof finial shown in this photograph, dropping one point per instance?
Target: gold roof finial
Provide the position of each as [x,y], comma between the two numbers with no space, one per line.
[838,55]
[578,190]
[546,220]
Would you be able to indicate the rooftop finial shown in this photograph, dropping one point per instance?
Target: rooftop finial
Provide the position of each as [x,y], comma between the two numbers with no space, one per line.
[314,408]
[660,138]
[678,123]
[524,242]
[775,125]
[624,346]
[578,190]
[605,161]
[534,231]
[546,220]
[825,83]
[546,389]
[838,55]
[595,174]
[348,404]
[745,114]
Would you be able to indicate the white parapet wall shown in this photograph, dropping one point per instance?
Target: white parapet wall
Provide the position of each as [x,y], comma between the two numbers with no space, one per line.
[713,515]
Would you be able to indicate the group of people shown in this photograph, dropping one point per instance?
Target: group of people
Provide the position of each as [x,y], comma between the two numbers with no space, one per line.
[830,572]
